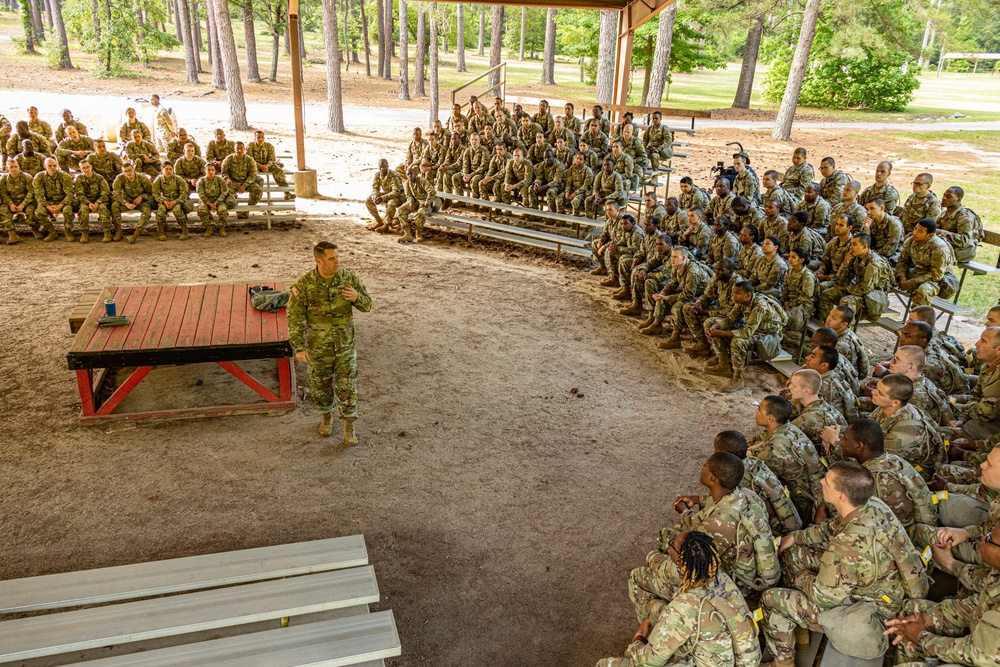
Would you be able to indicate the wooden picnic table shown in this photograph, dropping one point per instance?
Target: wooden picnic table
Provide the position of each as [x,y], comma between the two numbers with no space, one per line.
[175,325]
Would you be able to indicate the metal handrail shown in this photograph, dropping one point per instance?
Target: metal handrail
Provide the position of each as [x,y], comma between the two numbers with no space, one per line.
[502,85]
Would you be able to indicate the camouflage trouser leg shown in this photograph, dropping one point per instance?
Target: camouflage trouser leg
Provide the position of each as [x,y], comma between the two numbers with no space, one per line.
[278,174]
[696,324]
[669,306]
[255,191]
[798,316]
[767,346]
[590,205]
[650,287]
[68,162]
[829,298]
[784,610]
[611,258]
[180,211]
[421,215]
[653,585]
[479,191]
[921,296]
[870,306]
[598,254]
[103,217]
[28,216]
[205,215]
[657,154]
[390,207]
[624,271]
[333,374]
[553,195]
[46,219]
[458,183]
[676,660]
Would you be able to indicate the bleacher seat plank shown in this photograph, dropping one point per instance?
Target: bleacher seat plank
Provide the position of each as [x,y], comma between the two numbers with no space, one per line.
[978,268]
[111,625]
[192,573]
[519,231]
[505,233]
[355,640]
[523,210]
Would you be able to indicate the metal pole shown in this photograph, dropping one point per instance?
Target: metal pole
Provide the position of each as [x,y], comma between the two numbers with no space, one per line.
[293,29]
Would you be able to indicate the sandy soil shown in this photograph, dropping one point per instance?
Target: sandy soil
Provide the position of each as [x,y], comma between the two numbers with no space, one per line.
[502,511]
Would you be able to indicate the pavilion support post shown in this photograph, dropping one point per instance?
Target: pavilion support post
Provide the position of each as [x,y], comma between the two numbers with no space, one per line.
[623,61]
[306,182]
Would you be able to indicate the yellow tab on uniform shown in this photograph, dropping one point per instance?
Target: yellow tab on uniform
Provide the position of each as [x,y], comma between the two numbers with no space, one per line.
[947,443]
[939,496]
[917,468]
[926,555]
[785,489]
[823,461]
[887,599]
[857,401]
[777,542]
[951,399]
[758,615]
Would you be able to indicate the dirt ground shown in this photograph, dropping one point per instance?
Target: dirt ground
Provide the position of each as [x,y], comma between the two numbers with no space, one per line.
[502,511]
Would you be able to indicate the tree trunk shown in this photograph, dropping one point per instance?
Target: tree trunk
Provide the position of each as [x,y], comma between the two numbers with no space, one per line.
[107,45]
[302,44]
[460,40]
[433,69]
[178,27]
[524,28]
[29,34]
[218,70]
[140,20]
[387,37]
[496,43]
[745,87]
[549,57]
[354,42]
[364,34]
[48,14]
[195,28]
[95,11]
[190,55]
[334,95]
[606,56]
[64,60]
[287,43]
[36,20]
[210,32]
[421,55]
[649,70]
[380,10]
[250,35]
[275,50]
[482,30]
[230,66]
[347,40]
[786,113]
[404,53]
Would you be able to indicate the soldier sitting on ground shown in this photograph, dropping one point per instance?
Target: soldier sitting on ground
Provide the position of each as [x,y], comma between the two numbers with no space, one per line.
[852,350]
[811,413]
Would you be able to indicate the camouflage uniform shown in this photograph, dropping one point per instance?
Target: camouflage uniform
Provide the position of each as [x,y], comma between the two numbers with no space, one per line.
[901,487]
[738,523]
[796,179]
[816,416]
[717,300]
[944,372]
[5,130]
[982,408]
[599,143]
[837,391]
[417,149]
[526,136]
[579,182]
[109,165]
[819,214]
[31,165]
[62,127]
[564,156]
[726,246]
[435,156]
[673,224]
[748,257]
[553,176]
[703,626]
[544,121]
[930,265]
[793,458]
[536,153]
[720,207]
[781,512]
[51,190]
[768,275]
[637,151]
[216,152]
[427,201]
[390,189]
[618,255]
[608,234]
[747,185]
[698,240]
[592,159]
[609,186]
[17,190]
[810,241]
[93,190]
[263,155]
[242,172]
[777,226]
[738,221]
[175,149]
[493,189]
[833,259]
[911,435]
[164,126]
[41,144]
[213,191]
[798,298]
[565,134]
[519,177]
[958,228]
[831,188]
[887,236]
[697,198]
[684,286]
[778,192]
[917,208]
[42,129]
[886,193]
[932,401]
[173,189]
[134,153]
[126,129]
[865,556]
[572,123]
[451,165]
[64,153]
[852,351]
[969,566]
[625,166]
[316,306]
[657,268]
[659,144]
[855,210]
[124,190]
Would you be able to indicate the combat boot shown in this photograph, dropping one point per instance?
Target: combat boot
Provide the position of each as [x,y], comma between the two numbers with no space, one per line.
[599,271]
[69,233]
[107,236]
[222,232]
[722,369]
[712,362]
[52,235]
[735,385]
[185,235]
[379,223]
[419,237]
[135,236]
[161,234]
[326,425]
[623,294]
[611,281]
[36,233]
[12,237]
[85,235]
[407,237]
[118,232]
[654,329]
[700,349]
[350,438]
[672,343]
[631,309]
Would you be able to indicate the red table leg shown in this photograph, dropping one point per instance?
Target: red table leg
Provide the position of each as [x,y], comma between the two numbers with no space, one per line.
[285,377]
[84,381]
[249,381]
[121,392]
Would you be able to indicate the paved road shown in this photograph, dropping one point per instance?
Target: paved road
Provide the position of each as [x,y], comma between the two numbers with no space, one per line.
[271,112]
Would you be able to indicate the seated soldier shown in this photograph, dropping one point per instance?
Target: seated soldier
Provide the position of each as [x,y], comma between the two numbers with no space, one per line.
[54,195]
[570,120]
[21,132]
[475,160]
[5,130]
[696,236]
[41,127]
[945,344]
[240,172]
[625,240]
[175,149]
[735,517]
[723,244]
[602,121]
[687,282]
[579,183]
[705,617]
[658,140]
[527,133]
[107,164]
[624,165]
[925,265]
[596,139]
[68,122]
[131,124]
[745,184]
[881,189]
[835,389]
[30,162]
[544,117]
[861,282]
[387,188]
[219,149]
[490,186]
[755,323]
[941,370]
[536,151]
[674,220]
[863,555]
[213,193]
[131,191]
[450,165]
[549,178]
[17,203]
[72,149]
[263,155]
[769,270]
[170,193]
[799,176]
[93,195]
[692,196]
[634,148]
[489,140]
[811,414]
[743,213]
[590,156]
[771,183]
[781,512]
[637,256]
[886,230]
[798,297]
[434,155]
[958,225]
[909,433]
[852,350]
[831,186]
[921,204]
[750,251]
[836,253]
[190,167]
[818,209]
[517,180]
[979,413]
[654,271]
[559,131]
[608,186]
[845,372]
[142,154]
[420,199]
[800,236]
[564,154]
[771,223]
[909,360]
[713,305]
[417,148]
[721,203]
[848,205]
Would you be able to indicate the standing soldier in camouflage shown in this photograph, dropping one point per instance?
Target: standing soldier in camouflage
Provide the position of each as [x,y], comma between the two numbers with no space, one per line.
[957,225]
[579,182]
[924,267]
[321,333]
[175,149]
[831,186]
[799,175]
[818,209]
[608,186]
[517,179]
[131,124]
[93,195]
[860,283]
[263,155]
[170,193]
[165,130]
[715,301]
[68,122]
[420,199]
[240,172]
[219,149]
[143,155]
[17,201]
[72,149]
[863,555]
[387,188]
[921,204]
[131,191]
[107,164]
[190,167]
[882,189]
[54,195]
[213,194]
[688,280]
[549,178]
[798,297]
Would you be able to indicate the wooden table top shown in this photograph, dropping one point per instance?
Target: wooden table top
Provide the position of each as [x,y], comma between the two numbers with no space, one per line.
[178,324]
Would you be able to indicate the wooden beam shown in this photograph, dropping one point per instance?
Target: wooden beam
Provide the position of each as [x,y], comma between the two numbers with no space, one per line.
[623,61]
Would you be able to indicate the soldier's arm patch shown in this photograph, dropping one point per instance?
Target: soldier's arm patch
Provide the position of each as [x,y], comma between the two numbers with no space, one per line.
[294,290]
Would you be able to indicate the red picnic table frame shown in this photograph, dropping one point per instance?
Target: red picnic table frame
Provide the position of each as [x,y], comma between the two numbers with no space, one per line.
[180,324]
